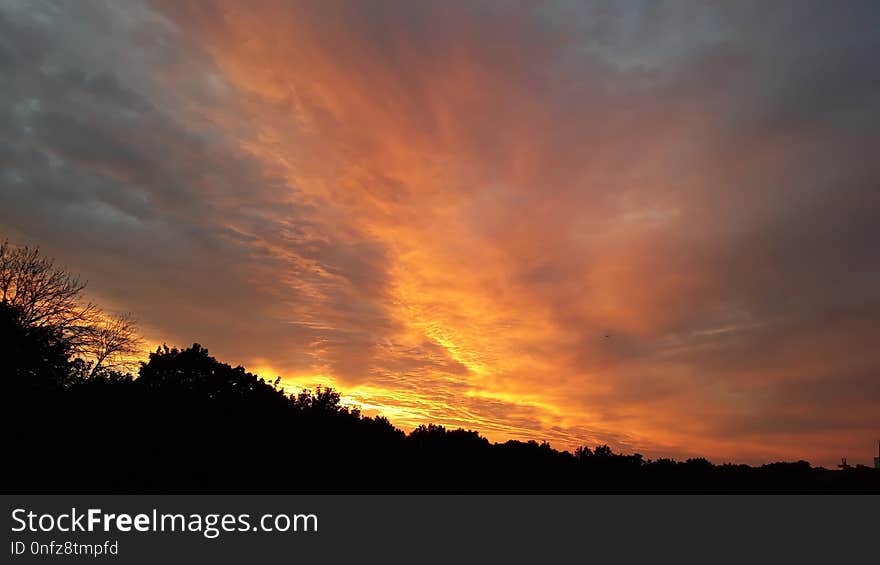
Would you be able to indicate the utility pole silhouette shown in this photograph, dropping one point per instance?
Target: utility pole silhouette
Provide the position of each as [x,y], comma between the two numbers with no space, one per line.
[877,459]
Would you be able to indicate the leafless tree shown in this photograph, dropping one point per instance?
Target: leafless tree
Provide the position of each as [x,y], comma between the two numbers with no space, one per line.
[111,343]
[43,295]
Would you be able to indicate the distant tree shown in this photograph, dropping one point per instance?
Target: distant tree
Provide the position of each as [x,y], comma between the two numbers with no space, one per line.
[423,431]
[698,462]
[323,399]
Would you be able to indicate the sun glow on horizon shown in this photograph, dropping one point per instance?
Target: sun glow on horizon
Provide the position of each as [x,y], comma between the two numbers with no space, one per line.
[610,223]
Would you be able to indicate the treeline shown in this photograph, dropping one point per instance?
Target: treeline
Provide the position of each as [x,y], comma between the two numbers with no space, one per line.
[187,422]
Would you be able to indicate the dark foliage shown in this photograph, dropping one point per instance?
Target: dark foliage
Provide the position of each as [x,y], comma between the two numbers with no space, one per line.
[33,357]
[188,422]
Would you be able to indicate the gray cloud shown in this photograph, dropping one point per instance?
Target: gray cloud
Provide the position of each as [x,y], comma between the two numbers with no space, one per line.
[697,180]
[115,163]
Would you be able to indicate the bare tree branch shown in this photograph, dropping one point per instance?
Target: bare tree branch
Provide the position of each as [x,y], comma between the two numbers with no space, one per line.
[111,343]
[45,295]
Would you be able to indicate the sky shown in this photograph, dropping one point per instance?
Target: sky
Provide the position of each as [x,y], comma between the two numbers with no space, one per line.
[647,224]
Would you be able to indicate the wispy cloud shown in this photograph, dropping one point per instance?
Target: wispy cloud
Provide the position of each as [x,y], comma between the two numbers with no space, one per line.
[653,225]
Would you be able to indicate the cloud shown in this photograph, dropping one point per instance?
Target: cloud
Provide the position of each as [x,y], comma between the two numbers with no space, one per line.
[445,208]
[130,171]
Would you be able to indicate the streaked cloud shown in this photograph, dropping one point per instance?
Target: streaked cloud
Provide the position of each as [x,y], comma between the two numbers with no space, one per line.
[651,224]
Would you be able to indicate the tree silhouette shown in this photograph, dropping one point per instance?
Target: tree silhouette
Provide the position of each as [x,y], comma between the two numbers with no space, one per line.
[43,295]
[110,343]
[46,296]
[76,421]
[193,370]
[31,357]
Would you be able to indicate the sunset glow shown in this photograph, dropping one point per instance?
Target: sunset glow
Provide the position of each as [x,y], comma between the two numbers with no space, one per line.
[640,224]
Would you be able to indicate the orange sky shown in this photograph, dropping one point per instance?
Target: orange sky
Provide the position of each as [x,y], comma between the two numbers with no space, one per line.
[641,226]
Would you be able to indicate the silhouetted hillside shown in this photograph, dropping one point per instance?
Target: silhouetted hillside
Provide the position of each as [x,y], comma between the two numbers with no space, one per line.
[188,422]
